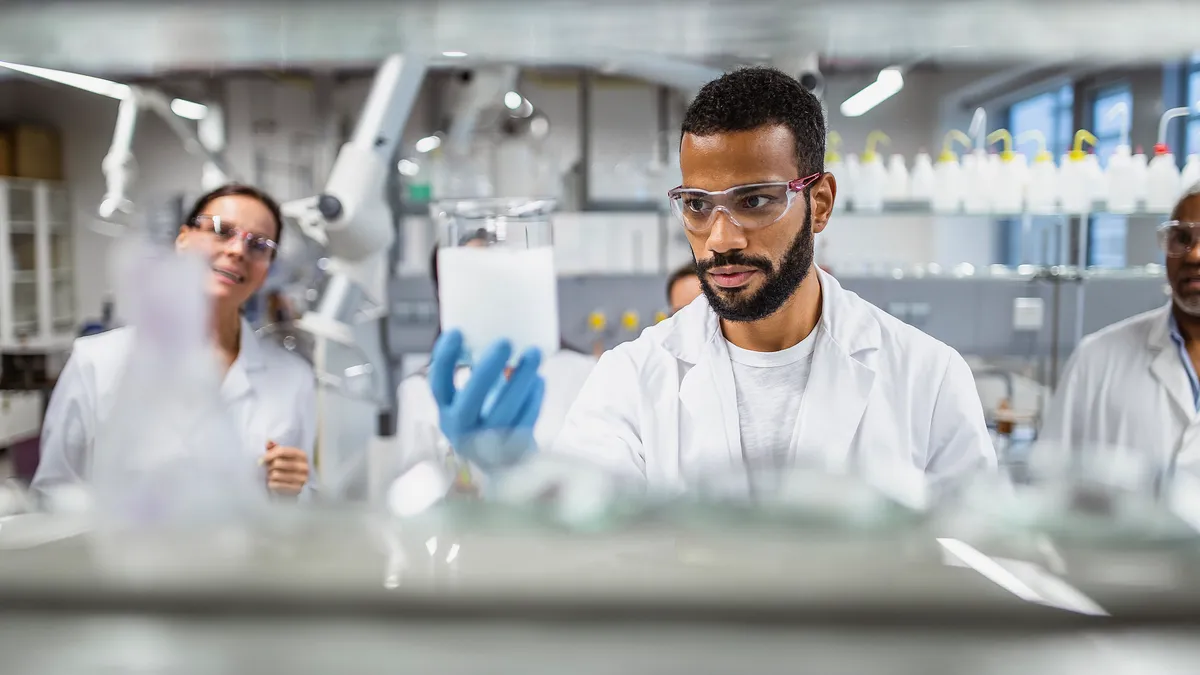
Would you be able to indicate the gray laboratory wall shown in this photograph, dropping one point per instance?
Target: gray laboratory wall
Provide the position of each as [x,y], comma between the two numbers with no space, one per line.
[988,317]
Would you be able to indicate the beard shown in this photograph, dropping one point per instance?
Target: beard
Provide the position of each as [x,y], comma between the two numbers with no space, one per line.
[1189,305]
[742,306]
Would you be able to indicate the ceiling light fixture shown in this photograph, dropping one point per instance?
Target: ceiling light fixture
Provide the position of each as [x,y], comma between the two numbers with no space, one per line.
[181,107]
[887,84]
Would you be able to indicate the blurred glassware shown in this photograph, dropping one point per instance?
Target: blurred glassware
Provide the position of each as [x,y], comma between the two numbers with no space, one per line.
[1099,494]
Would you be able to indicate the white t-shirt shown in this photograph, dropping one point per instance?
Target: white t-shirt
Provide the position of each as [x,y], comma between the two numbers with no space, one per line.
[770,390]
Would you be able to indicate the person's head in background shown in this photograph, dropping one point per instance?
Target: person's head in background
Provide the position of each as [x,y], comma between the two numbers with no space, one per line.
[758,130]
[238,228]
[479,238]
[683,286]
[1181,241]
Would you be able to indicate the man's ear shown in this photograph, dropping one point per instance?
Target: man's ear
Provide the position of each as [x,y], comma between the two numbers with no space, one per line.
[823,193]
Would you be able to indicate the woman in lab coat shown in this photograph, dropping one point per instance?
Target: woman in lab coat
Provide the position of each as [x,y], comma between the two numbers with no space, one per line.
[270,392]
[419,437]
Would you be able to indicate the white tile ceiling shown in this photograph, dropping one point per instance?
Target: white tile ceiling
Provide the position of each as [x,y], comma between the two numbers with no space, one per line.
[139,36]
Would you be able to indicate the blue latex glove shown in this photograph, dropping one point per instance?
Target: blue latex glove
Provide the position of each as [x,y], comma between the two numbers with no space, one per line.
[490,421]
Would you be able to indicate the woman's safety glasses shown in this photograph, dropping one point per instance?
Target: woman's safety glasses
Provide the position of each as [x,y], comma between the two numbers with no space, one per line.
[751,207]
[1178,238]
[257,247]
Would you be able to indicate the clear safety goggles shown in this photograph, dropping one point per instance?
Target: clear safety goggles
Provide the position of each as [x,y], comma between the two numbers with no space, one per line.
[751,207]
[256,246]
[1178,238]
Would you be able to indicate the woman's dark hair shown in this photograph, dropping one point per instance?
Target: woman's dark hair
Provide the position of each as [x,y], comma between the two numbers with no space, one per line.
[239,190]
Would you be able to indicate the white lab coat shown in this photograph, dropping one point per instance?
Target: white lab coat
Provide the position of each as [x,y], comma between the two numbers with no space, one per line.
[1125,387]
[270,393]
[884,401]
[418,435]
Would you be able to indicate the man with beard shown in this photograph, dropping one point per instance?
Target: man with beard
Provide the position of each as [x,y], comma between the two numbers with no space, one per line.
[1132,387]
[781,367]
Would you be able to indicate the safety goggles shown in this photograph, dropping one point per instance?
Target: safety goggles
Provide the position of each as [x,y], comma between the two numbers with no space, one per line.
[750,207]
[1178,238]
[257,247]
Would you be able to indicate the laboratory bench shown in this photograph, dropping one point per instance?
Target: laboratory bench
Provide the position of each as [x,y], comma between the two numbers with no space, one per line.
[349,592]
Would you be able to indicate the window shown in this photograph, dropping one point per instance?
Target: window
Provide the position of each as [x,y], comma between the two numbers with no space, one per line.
[1107,234]
[1050,113]
[1110,125]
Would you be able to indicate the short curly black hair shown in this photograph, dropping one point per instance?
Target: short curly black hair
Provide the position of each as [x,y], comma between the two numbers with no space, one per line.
[749,98]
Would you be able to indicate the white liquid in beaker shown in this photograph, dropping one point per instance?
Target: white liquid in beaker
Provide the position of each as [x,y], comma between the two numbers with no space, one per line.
[493,293]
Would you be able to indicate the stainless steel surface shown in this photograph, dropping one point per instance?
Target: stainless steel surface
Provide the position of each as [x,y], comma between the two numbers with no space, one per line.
[663,35]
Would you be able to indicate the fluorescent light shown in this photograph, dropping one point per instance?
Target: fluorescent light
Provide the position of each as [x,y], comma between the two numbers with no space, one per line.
[189,109]
[513,100]
[428,143]
[885,86]
[454,55]
[182,107]
[86,82]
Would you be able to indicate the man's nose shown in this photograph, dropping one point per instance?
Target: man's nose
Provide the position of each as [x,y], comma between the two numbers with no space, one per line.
[725,234]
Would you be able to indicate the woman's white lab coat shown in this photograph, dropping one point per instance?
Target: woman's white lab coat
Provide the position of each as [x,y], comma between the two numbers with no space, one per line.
[270,393]
[1126,387]
[419,437]
[884,401]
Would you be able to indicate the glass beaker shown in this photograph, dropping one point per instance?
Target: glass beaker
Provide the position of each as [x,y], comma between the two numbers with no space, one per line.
[495,272]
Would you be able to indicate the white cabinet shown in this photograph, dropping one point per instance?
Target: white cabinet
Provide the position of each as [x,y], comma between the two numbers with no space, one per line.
[37,291]
[20,416]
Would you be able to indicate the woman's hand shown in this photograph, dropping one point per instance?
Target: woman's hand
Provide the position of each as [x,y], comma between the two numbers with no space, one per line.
[287,469]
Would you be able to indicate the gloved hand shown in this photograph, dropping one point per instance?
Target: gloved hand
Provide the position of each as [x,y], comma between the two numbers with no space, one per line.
[490,421]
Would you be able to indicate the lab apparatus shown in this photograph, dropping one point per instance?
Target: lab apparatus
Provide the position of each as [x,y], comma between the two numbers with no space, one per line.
[496,273]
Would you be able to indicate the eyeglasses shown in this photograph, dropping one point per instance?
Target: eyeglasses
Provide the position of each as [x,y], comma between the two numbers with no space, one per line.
[751,207]
[1178,238]
[257,247]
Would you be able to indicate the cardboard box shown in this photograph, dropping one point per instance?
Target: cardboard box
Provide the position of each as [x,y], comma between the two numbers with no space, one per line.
[6,154]
[37,152]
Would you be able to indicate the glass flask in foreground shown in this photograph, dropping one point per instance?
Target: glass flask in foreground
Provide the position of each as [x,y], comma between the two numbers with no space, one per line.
[495,268]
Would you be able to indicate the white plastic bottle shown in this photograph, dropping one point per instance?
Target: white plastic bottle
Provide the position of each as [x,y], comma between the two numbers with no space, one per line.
[868,193]
[947,175]
[1162,181]
[872,181]
[897,187]
[1120,181]
[922,182]
[1191,172]
[1008,190]
[834,165]
[1097,185]
[978,179]
[1141,179]
[1041,196]
[853,175]
[1076,182]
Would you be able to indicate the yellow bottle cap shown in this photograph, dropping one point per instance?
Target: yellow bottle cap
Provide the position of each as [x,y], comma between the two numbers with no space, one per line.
[629,320]
[597,321]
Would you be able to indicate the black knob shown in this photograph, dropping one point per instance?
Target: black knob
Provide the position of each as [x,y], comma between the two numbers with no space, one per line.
[329,206]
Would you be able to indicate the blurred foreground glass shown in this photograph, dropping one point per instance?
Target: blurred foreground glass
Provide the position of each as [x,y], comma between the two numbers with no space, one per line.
[1099,493]
[496,275]
[169,449]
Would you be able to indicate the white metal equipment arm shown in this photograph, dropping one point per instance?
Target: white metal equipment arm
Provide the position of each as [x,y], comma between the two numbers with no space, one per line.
[119,167]
[350,219]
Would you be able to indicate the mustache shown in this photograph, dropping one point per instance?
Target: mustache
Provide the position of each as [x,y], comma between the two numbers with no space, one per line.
[734,258]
